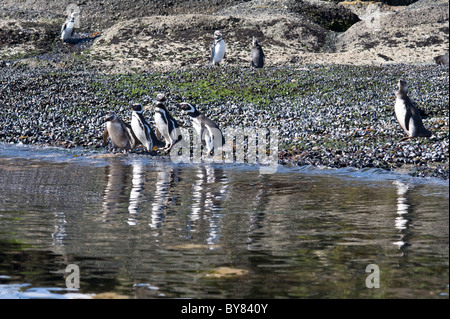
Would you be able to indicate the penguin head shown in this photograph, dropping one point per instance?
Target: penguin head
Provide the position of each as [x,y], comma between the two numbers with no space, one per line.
[137,107]
[255,42]
[186,107]
[72,16]
[110,117]
[217,34]
[161,101]
[402,85]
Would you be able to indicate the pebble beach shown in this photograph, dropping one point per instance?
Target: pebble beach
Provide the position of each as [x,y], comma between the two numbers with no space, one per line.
[327,115]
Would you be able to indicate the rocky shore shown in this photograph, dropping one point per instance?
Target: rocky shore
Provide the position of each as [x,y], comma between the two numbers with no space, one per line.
[333,116]
[329,88]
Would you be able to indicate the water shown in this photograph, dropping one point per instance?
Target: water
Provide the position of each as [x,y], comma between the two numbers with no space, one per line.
[142,228]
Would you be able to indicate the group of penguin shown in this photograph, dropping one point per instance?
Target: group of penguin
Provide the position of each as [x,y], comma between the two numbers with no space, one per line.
[217,47]
[218,51]
[127,137]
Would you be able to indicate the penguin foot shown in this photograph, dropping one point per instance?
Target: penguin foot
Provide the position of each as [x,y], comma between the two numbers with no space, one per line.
[167,148]
[152,153]
[407,138]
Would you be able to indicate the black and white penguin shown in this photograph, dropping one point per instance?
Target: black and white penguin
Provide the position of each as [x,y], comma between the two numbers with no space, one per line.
[67,28]
[119,132]
[142,130]
[217,49]
[258,56]
[209,132]
[165,123]
[407,114]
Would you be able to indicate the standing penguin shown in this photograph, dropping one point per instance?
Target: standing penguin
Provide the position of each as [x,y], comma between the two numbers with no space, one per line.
[258,56]
[142,129]
[407,114]
[217,48]
[121,134]
[165,123]
[210,134]
[67,28]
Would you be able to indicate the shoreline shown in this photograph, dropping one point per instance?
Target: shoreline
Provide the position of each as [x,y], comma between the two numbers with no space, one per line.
[79,155]
[333,116]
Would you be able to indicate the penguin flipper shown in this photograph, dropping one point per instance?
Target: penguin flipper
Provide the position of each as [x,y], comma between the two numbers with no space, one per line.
[421,130]
[212,53]
[63,27]
[158,134]
[415,112]
[202,135]
[105,137]
[156,142]
[407,119]
[134,141]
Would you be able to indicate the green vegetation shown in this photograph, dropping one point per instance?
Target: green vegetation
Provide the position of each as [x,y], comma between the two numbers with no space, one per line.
[206,86]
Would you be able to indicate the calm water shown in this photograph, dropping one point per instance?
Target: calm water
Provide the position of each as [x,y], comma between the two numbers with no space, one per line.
[144,228]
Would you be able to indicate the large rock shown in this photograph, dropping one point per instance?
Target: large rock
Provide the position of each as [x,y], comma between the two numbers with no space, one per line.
[397,34]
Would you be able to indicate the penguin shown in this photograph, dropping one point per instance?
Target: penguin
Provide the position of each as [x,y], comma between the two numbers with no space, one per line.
[258,56]
[120,133]
[166,124]
[142,129]
[441,59]
[67,28]
[407,114]
[217,49]
[210,134]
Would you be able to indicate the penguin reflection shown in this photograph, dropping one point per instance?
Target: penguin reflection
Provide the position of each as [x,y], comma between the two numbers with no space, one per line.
[209,191]
[403,209]
[165,177]
[257,215]
[137,187]
[60,228]
[117,178]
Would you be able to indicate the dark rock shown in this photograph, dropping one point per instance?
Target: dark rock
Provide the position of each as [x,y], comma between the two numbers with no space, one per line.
[388,2]
[328,15]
